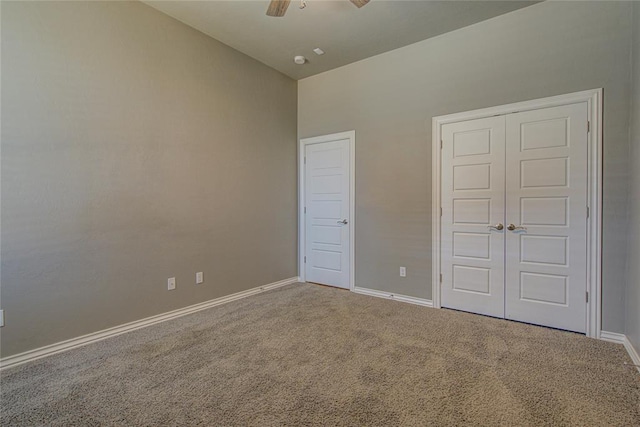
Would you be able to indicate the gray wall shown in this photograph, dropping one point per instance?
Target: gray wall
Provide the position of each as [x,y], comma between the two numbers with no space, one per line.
[633,260]
[547,49]
[135,148]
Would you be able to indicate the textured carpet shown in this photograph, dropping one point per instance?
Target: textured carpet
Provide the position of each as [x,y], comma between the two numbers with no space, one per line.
[311,355]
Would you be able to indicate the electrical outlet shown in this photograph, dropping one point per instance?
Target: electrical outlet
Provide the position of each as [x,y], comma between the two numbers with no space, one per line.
[403,271]
[171,283]
[199,277]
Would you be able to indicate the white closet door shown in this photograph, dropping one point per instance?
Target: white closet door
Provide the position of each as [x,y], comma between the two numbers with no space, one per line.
[546,183]
[472,253]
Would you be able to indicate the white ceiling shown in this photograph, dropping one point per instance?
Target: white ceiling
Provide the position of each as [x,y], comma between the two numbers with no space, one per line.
[346,33]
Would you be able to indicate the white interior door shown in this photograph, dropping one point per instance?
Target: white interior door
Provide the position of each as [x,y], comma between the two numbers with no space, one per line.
[546,198]
[472,247]
[327,222]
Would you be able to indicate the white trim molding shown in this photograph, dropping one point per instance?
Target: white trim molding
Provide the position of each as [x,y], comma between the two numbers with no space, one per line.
[38,353]
[613,337]
[622,339]
[593,98]
[396,297]
[351,136]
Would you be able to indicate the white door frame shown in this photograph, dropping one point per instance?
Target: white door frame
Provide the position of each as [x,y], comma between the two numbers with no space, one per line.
[593,98]
[351,136]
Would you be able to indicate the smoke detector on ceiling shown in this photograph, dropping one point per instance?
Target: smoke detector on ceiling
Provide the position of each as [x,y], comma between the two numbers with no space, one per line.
[299,59]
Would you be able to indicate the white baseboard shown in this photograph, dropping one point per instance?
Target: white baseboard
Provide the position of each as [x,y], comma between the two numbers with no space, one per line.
[612,337]
[396,297]
[622,339]
[49,350]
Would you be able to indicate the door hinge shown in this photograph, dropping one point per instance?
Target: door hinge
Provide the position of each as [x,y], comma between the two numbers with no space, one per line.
[588,126]
[305,209]
[305,260]
[305,160]
[587,296]
[441,144]
[440,211]
[440,277]
[588,212]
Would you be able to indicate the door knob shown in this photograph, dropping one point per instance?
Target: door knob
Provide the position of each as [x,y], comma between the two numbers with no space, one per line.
[344,221]
[512,227]
[496,227]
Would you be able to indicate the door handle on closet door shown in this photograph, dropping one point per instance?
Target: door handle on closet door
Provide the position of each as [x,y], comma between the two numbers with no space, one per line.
[344,221]
[496,227]
[512,227]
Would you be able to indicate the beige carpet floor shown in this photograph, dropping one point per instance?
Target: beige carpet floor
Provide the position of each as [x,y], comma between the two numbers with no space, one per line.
[312,355]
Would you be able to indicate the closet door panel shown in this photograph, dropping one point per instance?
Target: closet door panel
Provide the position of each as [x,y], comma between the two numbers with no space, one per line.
[546,202]
[472,252]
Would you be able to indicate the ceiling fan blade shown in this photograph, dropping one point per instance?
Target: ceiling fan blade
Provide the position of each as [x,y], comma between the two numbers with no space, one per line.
[278,7]
[359,3]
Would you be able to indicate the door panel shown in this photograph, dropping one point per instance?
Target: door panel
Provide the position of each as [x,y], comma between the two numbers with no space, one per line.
[473,199]
[546,193]
[327,206]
